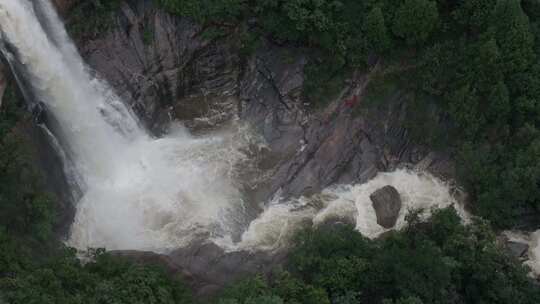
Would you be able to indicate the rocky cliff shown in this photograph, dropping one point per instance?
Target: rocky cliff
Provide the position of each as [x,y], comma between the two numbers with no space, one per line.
[167,69]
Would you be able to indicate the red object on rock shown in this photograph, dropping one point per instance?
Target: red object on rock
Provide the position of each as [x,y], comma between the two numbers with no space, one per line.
[351,102]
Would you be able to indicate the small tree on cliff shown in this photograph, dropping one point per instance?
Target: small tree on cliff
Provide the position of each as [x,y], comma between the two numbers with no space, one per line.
[415,20]
[376,31]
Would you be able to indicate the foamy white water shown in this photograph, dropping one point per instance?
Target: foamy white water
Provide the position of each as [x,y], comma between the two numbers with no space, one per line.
[140,192]
[534,253]
[347,203]
[167,192]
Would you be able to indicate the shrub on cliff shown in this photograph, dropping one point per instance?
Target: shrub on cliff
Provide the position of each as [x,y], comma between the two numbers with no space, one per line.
[416,20]
[90,19]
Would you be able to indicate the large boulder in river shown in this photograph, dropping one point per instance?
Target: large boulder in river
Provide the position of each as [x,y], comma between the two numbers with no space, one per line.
[515,244]
[517,249]
[387,204]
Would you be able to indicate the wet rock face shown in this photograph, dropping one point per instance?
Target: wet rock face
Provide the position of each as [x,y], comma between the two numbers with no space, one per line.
[165,67]
[515,244]
[214,266]
[315,148]
[206,267]
[517,249]
[387,204]
[312,150]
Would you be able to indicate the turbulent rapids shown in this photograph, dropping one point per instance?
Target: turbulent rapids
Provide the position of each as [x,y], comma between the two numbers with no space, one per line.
[348,203]
[135,191]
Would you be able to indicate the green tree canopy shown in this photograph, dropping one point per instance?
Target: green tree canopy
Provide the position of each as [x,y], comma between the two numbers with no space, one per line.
[416,20]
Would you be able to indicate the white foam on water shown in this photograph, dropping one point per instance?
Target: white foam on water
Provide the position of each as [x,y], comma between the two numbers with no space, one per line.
[417,191]
[169,191]
[534,253]
[349,203]
[274,228]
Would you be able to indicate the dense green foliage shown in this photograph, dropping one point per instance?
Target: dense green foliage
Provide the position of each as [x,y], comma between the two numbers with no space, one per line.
[63,279]
[415,20]
[91,18]
[488,81]
[440,261]
[475,60]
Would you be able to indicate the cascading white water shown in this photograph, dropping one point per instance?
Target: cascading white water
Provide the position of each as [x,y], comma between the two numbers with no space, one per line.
[140,192]
[71,96]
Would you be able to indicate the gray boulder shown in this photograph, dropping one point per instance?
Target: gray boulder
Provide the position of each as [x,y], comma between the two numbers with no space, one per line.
[387,204]
[517,249]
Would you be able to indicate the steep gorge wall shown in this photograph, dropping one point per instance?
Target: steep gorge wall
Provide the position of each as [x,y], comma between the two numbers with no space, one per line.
[166,68]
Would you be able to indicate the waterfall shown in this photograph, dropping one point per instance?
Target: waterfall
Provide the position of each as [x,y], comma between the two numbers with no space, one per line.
[139,192]
[71,96]
[146,193]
